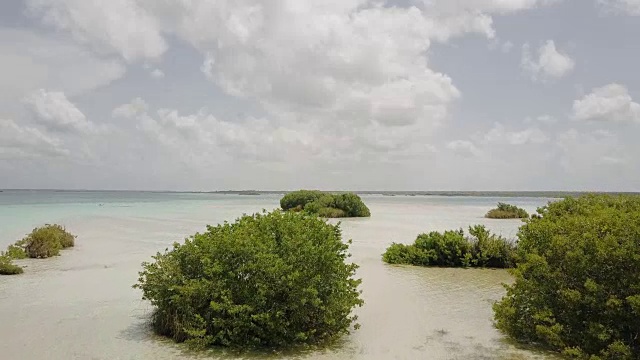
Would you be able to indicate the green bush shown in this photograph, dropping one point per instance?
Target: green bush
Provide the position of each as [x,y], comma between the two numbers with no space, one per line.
[298,199]
[507,211]
[8,268]
[453,249]
[268,280]
[47,241]
[577,280]
[16,251]
[324,204]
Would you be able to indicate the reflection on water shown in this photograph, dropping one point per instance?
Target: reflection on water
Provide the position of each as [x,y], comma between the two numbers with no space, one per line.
[81,305]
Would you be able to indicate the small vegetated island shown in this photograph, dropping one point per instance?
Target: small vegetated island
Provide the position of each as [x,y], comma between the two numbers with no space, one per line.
[325,204]
[453,249]
[42,242]
[269,280]
[507,211]
[577,280]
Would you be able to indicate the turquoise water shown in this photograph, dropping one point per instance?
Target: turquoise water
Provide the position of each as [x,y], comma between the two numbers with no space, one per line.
[81,305]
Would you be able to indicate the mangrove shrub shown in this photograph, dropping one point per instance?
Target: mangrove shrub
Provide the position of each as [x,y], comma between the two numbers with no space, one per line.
[507,211]
[325,204]
[7,267]
[453,249]
[268,280]
[577,280]
[46,241]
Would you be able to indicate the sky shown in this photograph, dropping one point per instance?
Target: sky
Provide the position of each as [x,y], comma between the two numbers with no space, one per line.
[202,95]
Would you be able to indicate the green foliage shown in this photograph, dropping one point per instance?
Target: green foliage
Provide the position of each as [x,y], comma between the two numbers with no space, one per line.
[577,280]
[324,204]
[268,280]
[7,267]
[507,211]
[46,241]
[453,249]
[298,199]
[16,251]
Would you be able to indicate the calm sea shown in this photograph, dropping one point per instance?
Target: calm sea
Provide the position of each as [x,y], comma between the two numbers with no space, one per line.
[81,305]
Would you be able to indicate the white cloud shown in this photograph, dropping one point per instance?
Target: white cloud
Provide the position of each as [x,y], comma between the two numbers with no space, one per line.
[489,6]
[18,142]
[203,138]
[361,66]
[608,103]
[29,61]
[330,61]
[629,7]
[463,147]
[550,63]
[206,138]
[56,112]
[114,26]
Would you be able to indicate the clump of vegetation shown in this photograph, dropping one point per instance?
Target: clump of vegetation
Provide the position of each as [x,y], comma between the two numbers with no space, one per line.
[325,204]
[7,267]
[453,249]
[577,280]
[16,251]
[47,241]
[42,242]
[507,211]
[268,280]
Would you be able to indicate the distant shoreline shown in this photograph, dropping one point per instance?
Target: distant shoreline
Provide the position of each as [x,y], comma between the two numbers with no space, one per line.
[512,194]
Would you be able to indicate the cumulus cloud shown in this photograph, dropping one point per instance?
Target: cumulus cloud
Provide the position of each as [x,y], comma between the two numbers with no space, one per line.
[608,103]
[30,61]
[114,26]
[204,138]
[629,7]
[348,60]
[549,63]
[20,141]
[56,112]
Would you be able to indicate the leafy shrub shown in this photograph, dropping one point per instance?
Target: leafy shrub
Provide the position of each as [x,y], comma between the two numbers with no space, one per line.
[352,205]
[8,268]
[47,241]
[453,249]
[16,251]
[507,211]
[298,199]
[577,280]
[324,204]
[268,280]
[67,240]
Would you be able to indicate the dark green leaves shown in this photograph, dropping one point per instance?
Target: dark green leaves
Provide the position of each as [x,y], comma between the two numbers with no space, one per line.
[453,249]
[578,279]
[507,211]
[325,204]
[267,280]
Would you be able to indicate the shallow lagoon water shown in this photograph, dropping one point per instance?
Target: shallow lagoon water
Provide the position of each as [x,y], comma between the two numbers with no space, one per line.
[81,305]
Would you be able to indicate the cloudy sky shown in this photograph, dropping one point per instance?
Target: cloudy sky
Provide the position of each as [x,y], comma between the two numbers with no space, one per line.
[328,94]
